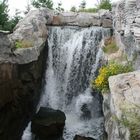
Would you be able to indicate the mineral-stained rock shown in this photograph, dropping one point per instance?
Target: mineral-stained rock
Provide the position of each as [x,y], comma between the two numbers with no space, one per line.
[48,123]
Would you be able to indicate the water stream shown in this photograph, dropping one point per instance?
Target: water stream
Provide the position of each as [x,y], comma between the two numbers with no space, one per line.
[74,57]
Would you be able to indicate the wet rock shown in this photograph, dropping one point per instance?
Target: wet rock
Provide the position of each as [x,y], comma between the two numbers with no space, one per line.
[86,114]
[121,103]
[78,137]
[48,123]
[20,84]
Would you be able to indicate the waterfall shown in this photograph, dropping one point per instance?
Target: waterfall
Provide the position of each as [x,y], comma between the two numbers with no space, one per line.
[73,58]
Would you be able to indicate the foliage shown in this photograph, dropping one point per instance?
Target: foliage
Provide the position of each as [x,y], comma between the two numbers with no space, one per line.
[83,5]
[73,9]
[104,4]
[101,82]
[15,19]
[132,122]
[3,14]
[110,46]
[23,44]
[88,10]
[43,3]
[59,7]
[28,8]
[5,22]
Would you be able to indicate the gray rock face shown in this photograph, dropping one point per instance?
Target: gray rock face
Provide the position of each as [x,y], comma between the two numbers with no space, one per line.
[121,103]
[34,23]
[33,29]
[48,123]
[21,73]
[5,47]
[114,129]
[126,21]
[102,18]
[20,87]
[124,87]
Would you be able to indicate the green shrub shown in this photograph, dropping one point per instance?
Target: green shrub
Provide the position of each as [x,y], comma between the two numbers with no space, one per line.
[110,46]
[105,4]
[23,44]
[101,82]
[132,122]
[89,10]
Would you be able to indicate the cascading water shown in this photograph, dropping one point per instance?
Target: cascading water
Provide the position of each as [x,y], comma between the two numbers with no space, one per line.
[74,56]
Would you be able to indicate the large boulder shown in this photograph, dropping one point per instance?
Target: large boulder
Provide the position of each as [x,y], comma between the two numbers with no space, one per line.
[102,18]
[125,93]
[78,137]
[48,123]
[122,107]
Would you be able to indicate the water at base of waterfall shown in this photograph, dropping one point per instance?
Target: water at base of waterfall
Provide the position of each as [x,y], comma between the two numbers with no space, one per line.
[73,58]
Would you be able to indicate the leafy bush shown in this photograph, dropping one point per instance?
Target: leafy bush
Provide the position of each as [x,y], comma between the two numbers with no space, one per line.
[101,82]
[132,122]
[110,46]
[43,3]
[105,4]
[23,44]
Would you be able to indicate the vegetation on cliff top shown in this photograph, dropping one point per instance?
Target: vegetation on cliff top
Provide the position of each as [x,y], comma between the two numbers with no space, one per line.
[102,4]
[7,23]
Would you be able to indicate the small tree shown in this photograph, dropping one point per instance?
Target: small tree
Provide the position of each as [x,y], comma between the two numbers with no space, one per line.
[15,19]
[3,14]
[73,9]
[59,7]
[83,5]
[28,8]
[43,3]
[104,4]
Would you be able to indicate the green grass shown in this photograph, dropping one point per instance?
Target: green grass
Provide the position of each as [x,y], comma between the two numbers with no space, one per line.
[111,48]
[89,10]
[132,122]
[23,44]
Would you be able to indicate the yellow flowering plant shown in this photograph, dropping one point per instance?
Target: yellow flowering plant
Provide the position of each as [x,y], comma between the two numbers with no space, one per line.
[113,68]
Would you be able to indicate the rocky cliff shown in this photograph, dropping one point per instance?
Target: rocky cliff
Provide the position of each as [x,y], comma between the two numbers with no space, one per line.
[21,72]
[126,22]
[121,105]
[22,62]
